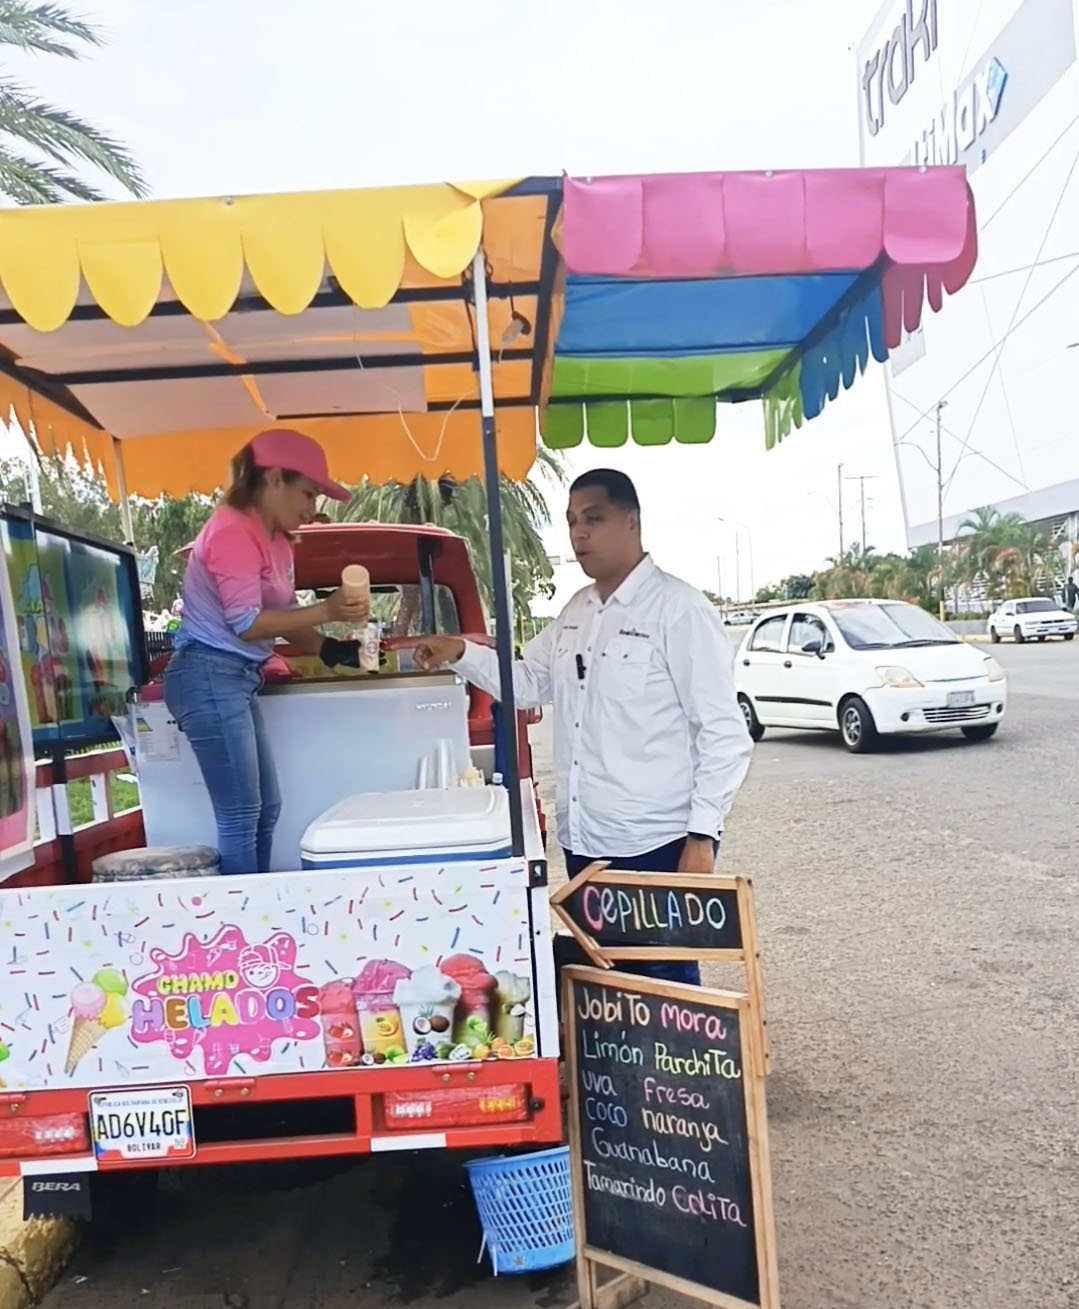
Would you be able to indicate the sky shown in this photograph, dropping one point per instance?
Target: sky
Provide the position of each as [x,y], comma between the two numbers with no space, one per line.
[234,96]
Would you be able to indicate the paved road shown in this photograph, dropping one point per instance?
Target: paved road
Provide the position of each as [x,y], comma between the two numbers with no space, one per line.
[918,914]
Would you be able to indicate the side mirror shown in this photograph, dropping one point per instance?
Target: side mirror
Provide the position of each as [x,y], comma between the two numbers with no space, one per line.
[814,648]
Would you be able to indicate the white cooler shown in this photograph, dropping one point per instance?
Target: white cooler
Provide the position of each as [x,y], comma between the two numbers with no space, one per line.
[464,823]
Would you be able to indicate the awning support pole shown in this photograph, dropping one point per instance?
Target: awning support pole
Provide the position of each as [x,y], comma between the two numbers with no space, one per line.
[507,718]
[121,486]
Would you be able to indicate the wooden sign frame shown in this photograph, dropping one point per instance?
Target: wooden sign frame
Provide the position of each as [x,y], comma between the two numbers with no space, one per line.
[634,1278]
[607,956]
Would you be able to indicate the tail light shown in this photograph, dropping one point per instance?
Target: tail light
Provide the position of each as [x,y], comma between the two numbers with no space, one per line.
[36,1135]
[455,1107]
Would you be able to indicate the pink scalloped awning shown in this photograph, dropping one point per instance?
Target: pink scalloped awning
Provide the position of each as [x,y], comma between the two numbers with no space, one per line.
[744,224]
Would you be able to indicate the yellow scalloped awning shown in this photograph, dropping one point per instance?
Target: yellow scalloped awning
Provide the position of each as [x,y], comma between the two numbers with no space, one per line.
[285,242]
[365,283]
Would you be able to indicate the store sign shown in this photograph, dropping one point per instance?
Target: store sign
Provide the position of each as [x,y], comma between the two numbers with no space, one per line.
[891,70]
[964,119]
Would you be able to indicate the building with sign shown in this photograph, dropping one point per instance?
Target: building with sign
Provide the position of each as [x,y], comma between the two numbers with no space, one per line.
[992,85]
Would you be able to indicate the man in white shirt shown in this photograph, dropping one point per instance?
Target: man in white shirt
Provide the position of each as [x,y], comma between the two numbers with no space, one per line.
[650,744]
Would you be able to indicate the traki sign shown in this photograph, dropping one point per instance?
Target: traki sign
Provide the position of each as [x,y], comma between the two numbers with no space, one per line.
[891,69]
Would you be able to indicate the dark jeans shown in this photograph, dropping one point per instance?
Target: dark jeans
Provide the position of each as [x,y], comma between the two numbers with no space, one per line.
[212,696]
[663,860]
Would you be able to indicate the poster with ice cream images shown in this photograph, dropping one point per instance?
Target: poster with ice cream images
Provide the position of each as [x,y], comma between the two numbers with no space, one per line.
[78,609]
[151,982]
[46,638]
[16,742]
[102,638]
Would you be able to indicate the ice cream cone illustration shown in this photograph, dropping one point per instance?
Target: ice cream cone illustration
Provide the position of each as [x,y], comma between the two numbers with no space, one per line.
[88,1002]
[97,1007]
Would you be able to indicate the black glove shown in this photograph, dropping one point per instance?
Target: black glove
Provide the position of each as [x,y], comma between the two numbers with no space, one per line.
[339,654]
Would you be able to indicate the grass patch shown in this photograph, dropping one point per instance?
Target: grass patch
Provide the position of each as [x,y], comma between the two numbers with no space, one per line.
[125,795]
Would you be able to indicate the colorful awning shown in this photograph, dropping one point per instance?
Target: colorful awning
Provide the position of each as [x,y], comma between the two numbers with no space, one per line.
[619,308]
[686,290]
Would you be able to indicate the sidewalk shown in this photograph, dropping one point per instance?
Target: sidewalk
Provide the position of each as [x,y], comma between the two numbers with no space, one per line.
[33,1254]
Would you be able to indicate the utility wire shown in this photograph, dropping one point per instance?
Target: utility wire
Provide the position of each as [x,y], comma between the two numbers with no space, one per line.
[1015,313]
[973,453]
[1030,171]
[1023,268]
[924,413]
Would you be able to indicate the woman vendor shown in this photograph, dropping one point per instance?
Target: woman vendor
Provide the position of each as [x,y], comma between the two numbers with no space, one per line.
[239,596]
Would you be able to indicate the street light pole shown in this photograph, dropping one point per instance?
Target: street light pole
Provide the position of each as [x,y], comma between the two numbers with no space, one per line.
[737,570]
[752,580]
[941,404]
[867,477]
[738,557]
[839,503]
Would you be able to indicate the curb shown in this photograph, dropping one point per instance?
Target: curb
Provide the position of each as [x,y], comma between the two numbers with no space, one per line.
[32,1254]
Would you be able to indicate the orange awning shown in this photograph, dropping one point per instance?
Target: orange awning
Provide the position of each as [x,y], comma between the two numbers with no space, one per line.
[179,329]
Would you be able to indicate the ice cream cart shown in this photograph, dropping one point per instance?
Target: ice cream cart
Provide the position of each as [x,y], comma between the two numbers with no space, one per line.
[395,974]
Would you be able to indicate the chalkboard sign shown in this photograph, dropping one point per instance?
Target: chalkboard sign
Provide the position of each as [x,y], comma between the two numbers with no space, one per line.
[679,916]
[617,916]
[669,1138]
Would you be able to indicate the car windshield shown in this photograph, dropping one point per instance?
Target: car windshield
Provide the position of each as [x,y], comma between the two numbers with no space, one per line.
[1035,607]
[889,627]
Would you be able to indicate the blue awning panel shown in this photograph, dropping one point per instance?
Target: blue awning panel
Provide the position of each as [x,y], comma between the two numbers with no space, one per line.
[613,318]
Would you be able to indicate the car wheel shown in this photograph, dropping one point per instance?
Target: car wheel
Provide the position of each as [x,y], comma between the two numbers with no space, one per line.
[980,731]
[1018,634]
[753,723]
[1069,636]
[856,726]
[994,636]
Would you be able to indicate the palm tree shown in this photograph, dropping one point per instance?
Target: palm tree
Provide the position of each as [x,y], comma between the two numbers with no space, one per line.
[39,143]
[984,534]
[1032,563]
[848,576]
[462,508]
[1006,555]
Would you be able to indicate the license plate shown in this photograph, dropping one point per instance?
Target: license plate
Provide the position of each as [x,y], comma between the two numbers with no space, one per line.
[154,1123]
[960,699]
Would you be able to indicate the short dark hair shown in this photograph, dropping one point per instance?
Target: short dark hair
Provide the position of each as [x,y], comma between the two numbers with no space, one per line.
[620,490]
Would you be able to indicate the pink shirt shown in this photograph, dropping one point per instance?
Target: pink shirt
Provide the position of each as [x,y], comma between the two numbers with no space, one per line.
[236,569]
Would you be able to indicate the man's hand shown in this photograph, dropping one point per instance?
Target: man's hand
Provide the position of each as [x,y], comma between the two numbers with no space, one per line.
[433,652]
[698,857]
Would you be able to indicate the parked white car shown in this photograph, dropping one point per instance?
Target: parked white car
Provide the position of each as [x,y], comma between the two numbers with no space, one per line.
[1032,618]
[865,668]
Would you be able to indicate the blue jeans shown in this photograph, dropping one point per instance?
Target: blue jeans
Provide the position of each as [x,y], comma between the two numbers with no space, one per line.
[663,860]
[212,696]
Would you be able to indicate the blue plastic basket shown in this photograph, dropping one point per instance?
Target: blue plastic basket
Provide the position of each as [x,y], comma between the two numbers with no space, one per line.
[525,1204]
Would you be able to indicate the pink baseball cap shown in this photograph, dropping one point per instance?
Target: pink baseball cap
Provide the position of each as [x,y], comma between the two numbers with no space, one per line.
[292,451]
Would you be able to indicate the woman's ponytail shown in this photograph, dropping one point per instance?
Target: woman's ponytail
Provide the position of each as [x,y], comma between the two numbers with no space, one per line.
[246,480]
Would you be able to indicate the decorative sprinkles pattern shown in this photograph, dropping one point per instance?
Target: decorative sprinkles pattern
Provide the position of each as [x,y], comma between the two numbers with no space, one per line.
[303,944]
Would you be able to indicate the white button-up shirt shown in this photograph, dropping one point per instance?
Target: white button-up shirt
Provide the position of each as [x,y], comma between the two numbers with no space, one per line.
[649,741]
